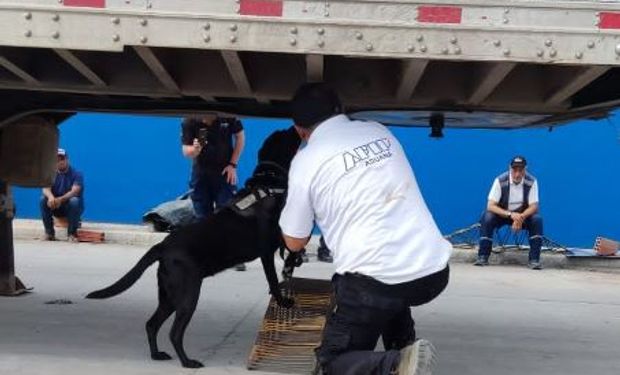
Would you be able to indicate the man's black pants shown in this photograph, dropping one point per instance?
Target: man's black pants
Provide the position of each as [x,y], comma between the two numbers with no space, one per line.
[366,309]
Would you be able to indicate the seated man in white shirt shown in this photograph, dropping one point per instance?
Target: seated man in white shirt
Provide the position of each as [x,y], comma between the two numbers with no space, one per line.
[353,178]
[513,200]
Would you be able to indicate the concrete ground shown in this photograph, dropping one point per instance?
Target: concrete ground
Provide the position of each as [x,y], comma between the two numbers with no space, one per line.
[493,320]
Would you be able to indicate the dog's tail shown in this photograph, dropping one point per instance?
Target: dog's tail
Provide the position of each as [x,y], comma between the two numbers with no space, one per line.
[130,277]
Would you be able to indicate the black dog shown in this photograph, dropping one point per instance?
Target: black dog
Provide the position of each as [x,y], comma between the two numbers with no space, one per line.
[241,232]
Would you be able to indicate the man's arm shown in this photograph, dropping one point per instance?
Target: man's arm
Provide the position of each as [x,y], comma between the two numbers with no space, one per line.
[494,207]
[295,244]
[193,150]
[47,192]
[239,145]
[74,192]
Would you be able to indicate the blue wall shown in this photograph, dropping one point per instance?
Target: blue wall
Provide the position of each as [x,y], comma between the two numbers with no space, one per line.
[133,163]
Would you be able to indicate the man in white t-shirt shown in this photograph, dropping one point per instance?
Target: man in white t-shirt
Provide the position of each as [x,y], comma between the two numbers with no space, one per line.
[513,200]
[353,179]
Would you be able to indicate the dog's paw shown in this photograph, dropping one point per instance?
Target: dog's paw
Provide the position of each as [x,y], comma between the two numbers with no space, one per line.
[191,363]
[286,302]
[160,356]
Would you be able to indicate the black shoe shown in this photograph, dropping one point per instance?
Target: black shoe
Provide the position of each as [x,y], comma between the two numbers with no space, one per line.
[482,261]
[535,265]
[325,257]
[304,256]
[240,267]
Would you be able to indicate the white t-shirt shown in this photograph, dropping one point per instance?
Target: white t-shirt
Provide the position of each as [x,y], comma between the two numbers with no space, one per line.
[354,180]
[515,196]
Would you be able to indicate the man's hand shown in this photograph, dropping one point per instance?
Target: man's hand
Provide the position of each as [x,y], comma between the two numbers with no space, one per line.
[51,203]
[197,148]
[517,221]
[231,174]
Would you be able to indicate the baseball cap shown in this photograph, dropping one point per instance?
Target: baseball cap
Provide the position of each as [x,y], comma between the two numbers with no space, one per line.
[518,161]
[62,152]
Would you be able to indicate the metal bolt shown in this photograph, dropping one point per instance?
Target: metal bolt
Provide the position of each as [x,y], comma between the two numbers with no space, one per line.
[497,42]
[423,48]
[617,49]
[55,35]
[578,55]
[548,42]
[444,50]
[505,20]
[419,38]
[506,52]
[453,40]
[411,48]
[56,17]
[506,11]
[116,37]
[540,52]
[143,39]
[206,38]
[326,14]
[321,43]
[293,41]
[293,30]
[28,34]
[233,27]
[591,44]
[206,26]
[358,35]
[553,52]
[28,15]
[457,51]
[369,47]
[116,20]
[320,31]
[233,39]
[144,22]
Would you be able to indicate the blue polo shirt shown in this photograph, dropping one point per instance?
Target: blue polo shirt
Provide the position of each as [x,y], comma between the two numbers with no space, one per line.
[65,180]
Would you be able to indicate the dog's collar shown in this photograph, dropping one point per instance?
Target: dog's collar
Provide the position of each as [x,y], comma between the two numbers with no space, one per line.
[255,195]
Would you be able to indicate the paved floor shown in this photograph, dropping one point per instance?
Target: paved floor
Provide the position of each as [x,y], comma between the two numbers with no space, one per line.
[495,320]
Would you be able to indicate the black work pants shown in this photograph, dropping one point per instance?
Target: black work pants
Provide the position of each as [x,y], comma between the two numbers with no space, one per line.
[366,309]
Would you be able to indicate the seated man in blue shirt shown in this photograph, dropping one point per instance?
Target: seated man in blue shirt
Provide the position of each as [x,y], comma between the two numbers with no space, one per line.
[63,199]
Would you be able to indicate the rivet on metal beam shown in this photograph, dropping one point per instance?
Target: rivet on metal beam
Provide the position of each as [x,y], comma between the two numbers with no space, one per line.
[591,44]
[578,55]
[369,47]
[55,35]
[548,42]
[506,52]
[116,20]
[320,31]
[293,41]
[540,52]
[28,34]
[617,49]
[233,27]
[497,42]
[553,52]
[206,38]
[144,22]
[320,43]
[56,17]
[28,15]
[293,30]
[444,50]
[419,38]
[505,20]
[410,48]
[238,10]
[206,26]
[506,10]
[233,39]
[359,35]
[143,39]
[453,40]
[423,48]
[457,51]
[116,37]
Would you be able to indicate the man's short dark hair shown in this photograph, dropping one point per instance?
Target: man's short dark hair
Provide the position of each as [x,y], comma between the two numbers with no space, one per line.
[314,103]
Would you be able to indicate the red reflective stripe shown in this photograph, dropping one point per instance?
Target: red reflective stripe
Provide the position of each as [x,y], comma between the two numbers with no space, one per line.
[271,8]
[85,3]
[609,20]
[435,14]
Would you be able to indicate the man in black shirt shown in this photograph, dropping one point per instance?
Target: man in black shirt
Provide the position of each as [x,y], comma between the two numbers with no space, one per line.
[215,145]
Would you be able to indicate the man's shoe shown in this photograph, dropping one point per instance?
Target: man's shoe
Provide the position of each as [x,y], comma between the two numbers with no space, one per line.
[482,261]
[304,256]
[417,359]
[535,265]
[240,267]
[327,258]
[72,238]
[49,237]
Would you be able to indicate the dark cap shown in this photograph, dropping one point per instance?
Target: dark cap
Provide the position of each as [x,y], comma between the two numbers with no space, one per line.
[518,161]
[314,103]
